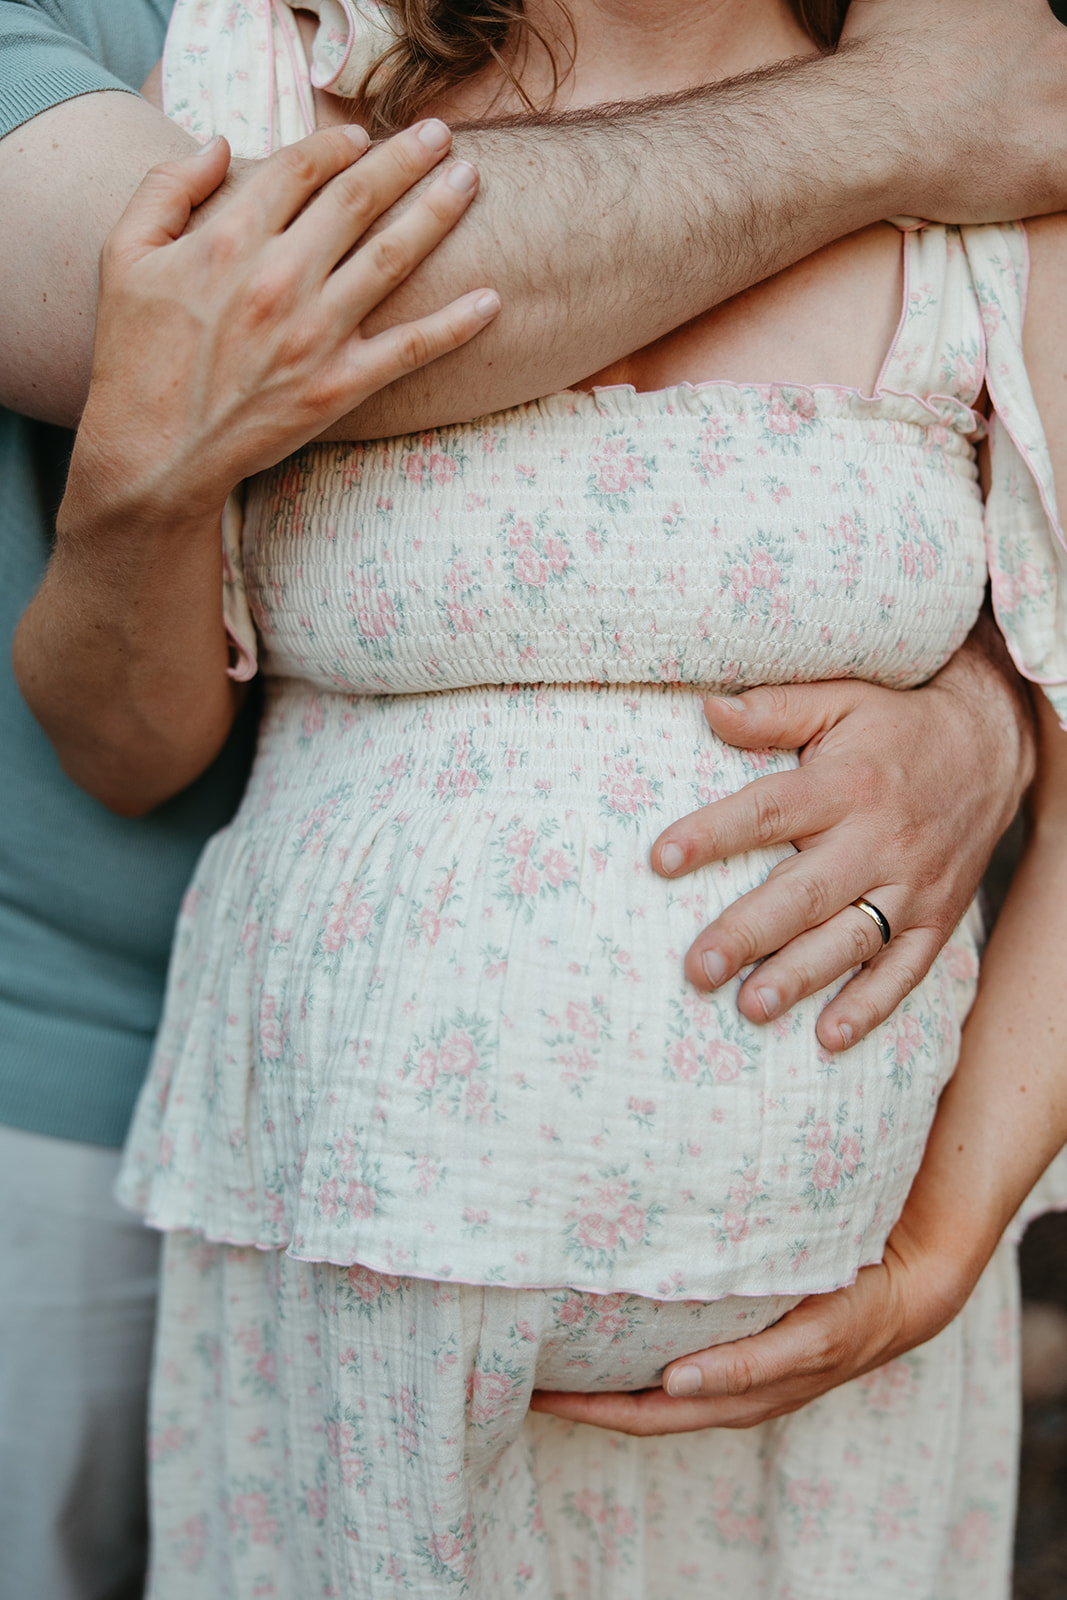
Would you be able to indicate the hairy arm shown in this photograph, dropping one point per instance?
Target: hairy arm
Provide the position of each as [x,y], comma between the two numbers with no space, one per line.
[602,231]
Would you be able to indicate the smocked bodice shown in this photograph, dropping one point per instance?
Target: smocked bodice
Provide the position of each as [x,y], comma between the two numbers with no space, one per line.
[714,536]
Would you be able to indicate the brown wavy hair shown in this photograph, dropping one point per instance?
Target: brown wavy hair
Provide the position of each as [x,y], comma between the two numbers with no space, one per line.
[442,43]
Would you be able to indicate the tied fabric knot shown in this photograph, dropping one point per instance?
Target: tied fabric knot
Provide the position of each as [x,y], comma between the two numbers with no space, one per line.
[350,39]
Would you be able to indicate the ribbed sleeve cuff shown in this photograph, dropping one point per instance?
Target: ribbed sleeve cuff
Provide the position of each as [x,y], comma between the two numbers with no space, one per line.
[26,97]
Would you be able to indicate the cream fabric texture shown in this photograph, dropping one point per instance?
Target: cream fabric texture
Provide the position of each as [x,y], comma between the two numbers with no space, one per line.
[427,1045]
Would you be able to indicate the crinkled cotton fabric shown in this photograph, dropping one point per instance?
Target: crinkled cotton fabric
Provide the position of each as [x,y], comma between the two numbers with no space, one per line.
[410,1466]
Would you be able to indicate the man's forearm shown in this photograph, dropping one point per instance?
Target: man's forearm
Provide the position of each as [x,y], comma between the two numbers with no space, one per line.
[603,231]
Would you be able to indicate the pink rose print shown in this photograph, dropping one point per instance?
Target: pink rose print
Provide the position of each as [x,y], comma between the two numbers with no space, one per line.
[458,1055]
[372,606]
[851,1153]
[826,1173]
[488,1394]
[368,1286]
[610,1221]
[314,719]
[624,789]
[581,1021]
[617,467]
[450,1554]
[361,1200]
[789,411]
[253,1512]
[272,1028]
[316,1502]
[342,1444]
[328,1200]
[972,1536]
[429,467]
[683,1059]
[725,1061]
[350,922]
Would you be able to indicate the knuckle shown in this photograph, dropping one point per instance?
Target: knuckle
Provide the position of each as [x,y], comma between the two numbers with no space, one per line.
[741,1377]
[413,347]
[298,162]
[809,898]
[767,815]
[389,259]
[113,250]
[737,941]
[772,699]
[352,191]
[222,245]
[269,293]
[859,943]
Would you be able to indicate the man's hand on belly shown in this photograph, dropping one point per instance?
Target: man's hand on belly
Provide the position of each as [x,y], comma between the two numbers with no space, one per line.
[900,797]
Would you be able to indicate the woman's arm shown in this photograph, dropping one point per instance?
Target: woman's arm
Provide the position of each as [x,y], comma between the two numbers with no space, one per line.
[1001,1120]
[232,342]
[1002,1117]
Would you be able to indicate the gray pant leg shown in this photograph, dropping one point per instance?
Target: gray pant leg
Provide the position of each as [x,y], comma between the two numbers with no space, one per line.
[77,1303]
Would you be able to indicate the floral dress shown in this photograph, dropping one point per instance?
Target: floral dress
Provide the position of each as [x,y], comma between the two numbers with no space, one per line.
[434,1117]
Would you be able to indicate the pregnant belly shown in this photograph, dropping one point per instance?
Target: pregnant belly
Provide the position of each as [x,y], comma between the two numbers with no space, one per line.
[438,991]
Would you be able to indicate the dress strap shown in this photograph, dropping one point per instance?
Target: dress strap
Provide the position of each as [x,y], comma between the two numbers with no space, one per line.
[1026,550]
[352,36]
[938,352]
[239,70]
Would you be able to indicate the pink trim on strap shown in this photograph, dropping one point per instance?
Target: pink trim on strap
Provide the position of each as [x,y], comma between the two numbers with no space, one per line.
[902,321]
[350,16]
[294,46]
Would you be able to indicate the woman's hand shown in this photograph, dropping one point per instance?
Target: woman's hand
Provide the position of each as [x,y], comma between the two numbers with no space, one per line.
[218,352]
[221,350]
[900,797]
[823,1342]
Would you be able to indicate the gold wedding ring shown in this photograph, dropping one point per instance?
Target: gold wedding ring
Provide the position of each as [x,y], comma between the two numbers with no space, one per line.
[880,922]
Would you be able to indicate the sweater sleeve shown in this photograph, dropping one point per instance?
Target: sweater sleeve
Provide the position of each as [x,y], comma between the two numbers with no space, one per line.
[54,50]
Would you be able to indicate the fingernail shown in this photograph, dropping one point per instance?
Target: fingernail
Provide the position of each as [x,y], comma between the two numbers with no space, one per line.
[487,304]
[461,177]
[844,1030]
[715,971]
[432,134]
[684,1381]
[212,144]
[770,1000]
[671,857]
[725,702]
[359,136]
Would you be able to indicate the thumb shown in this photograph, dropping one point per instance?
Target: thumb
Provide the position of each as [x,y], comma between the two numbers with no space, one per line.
[164,200]
[783,716]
